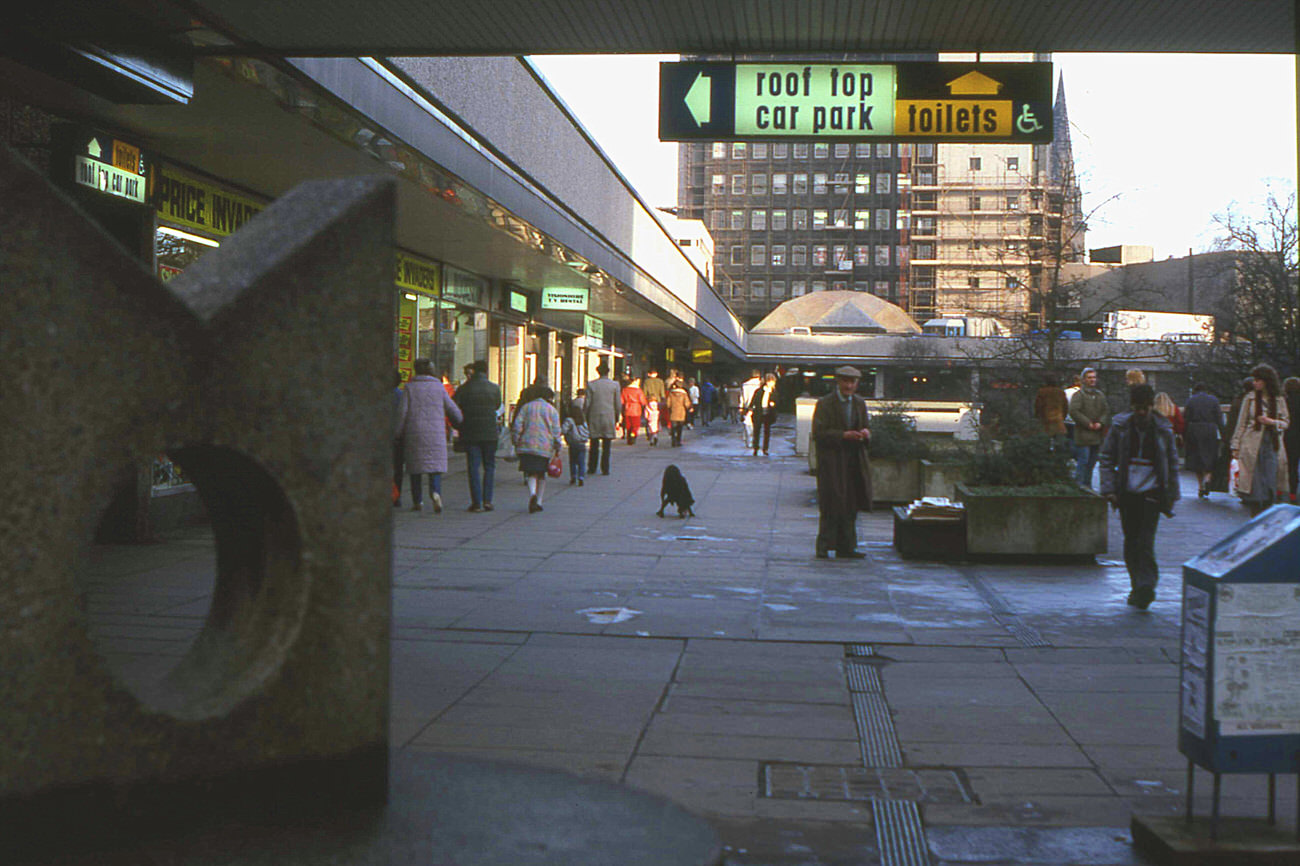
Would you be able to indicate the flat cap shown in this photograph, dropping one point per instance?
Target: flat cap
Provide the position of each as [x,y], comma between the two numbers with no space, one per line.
[848,372]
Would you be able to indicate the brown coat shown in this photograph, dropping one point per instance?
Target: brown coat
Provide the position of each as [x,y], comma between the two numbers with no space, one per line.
[843,468]
[678,402]
[1050,408]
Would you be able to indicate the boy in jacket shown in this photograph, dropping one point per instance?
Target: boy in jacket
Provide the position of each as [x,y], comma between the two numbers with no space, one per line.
[1139,476]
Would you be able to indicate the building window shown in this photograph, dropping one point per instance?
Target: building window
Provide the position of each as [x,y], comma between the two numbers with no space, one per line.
[778,255]
[862,183]
[779,183]
[719,150]
[862,255]
[882,218]
[799,256]
[902,255]
[839,286]
[819,220]
[1013,163]
[975,163]
[973,282]
[801,150]
[841,182]
[974,202]
[925,201]
[738,150]
[759,150]
[758,184]
[737,184]
[924,278]
[840,257]
[902,220]
[862,220]
[719,184]
[819,255]
[719,220]
[882,255]
[799,219]
[924,176]
[819,183]
[778,221]
[923,251]
[925,225]
[819,285]
[821,150]
[737,220]
[737,255]
[758,219]
[841,151]
[800,184]
[780,150]
[1013,202]
[841,218]
[798,288]
[883,289]
[860,287]
[758,288]
[758,255]
[925,150]
[882,183]
[1013,283]
[882,151]
[778,288]
[862,150]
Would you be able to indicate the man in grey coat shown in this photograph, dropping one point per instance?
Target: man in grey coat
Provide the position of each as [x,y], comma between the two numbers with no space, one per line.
[603,406]
[1090,411]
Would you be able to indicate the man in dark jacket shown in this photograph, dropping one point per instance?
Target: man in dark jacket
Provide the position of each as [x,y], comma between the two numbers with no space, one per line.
[1139,476]
[839,427]
[479,401]
[1203,418]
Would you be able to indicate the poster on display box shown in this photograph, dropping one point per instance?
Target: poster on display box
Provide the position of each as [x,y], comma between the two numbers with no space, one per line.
[1257,659]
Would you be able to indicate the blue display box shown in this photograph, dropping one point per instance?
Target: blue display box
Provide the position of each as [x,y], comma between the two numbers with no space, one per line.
[1239,704]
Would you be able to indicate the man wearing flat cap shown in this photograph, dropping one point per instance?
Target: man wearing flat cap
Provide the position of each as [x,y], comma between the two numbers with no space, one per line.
[839,427]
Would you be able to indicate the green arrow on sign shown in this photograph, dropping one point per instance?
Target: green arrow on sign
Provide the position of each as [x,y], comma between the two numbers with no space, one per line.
[699,99]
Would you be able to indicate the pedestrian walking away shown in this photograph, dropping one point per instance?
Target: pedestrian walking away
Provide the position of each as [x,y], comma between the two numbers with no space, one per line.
[633,408]
[747,389]
[841,429]
[1257,441]
[576,435]
[733,395]
[603,407]
[538,436]
[1202,426]
[653,388]
[693,391]
[479,400]
[1091,413]
[422,416]
[708,399]
[1139,478]
[679,407]
[761,411]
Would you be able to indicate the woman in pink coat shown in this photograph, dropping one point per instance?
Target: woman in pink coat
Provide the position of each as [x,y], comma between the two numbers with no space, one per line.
[422,415]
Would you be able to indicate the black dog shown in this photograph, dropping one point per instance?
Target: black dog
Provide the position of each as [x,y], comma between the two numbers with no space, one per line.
[675,490]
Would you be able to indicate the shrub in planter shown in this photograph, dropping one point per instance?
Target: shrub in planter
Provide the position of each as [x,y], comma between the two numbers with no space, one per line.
[896,451]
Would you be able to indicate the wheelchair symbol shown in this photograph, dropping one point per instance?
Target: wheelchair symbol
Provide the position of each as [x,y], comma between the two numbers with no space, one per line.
[1027,123]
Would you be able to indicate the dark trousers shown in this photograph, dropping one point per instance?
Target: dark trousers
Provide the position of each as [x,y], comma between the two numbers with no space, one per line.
[837,531]
[481,465]
[1138,517]
[599,454]
[676,432]
[763,429]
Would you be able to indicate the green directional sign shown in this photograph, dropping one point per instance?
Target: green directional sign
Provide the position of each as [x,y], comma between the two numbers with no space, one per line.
[978,102]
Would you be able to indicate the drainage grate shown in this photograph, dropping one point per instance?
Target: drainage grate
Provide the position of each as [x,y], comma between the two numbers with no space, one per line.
[899,833]
[864,678]
[1005,616]
[876,734]
[859,649]
[859,784]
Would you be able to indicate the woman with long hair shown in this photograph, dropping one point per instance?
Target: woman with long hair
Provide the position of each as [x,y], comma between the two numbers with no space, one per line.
[537,437]
[1257,440]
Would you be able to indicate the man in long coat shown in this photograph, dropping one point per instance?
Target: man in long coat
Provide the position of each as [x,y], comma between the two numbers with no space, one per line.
[840,429]
[603,406]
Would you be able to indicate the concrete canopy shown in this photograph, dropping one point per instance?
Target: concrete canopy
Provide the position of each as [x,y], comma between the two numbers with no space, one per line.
[468,27]
[838,313]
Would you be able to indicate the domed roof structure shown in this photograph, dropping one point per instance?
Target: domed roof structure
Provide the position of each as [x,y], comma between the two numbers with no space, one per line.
[838,313]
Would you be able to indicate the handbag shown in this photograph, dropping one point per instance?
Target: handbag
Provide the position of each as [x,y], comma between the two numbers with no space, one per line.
[555,468]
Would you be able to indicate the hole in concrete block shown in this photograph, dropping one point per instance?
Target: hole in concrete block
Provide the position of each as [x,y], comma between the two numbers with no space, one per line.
[199,621]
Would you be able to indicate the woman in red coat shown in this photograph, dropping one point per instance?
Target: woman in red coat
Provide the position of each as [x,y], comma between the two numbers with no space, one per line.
[634,404]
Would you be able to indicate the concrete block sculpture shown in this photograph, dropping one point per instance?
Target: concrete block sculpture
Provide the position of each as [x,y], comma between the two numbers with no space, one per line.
[265,371]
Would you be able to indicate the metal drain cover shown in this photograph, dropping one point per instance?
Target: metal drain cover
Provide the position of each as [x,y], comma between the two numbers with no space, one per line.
[858,784]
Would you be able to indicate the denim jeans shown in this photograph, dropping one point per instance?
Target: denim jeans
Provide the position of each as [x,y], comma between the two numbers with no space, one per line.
[577,461]
[1138,517]
[1085,457]
[484,455]
[417,492]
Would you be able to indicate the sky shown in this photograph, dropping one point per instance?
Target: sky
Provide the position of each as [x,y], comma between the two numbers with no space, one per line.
[1162,142]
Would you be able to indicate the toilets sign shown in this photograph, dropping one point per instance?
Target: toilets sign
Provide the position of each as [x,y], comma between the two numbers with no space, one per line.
[976,102]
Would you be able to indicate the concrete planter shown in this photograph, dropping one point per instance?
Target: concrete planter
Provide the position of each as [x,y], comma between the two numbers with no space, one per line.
[1029,525]
[941,479]
[894,480]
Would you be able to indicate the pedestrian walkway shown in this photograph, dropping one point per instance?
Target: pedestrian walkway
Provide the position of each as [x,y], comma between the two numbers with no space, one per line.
[816,711]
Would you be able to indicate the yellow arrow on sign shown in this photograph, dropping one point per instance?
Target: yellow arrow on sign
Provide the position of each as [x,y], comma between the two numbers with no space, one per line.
[974,83]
